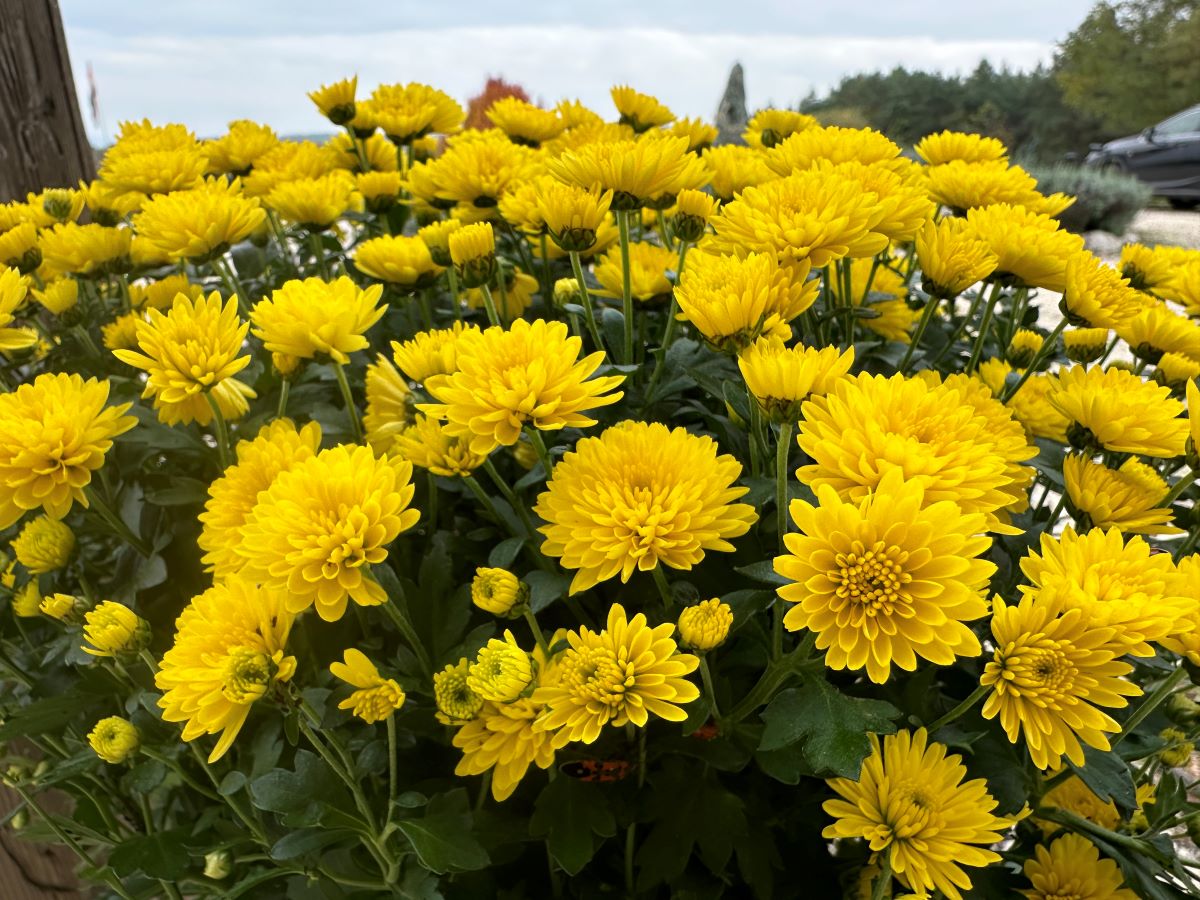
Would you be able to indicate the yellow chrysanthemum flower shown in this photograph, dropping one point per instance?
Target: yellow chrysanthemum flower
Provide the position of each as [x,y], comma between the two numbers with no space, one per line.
[276,448]
[692,211]
[436,236]
[733,300]
[639,111]
[113,629]
[27,600]
[947,146]
[1126,498]
[1024,347]
[648,265]
[475,173]
[322,524]
[1176,371]
[530,373]
[1118,584]
[54,433]
[903,207]
[108,205]
[1185,637]
[769,128]
[379,190]
[1156,329]
[1145,268]
[639,495]
[618,675]
[502,671]
[961,185]
[315,203]
[637,172]
[813,216]
[831,143]
[287,161]
[513,300]
[525,123]
[44,545]
[389,405]
[54,205]
[59,296]
[19,248]
[14,288]
[911,804]
[498,591]
[781,378]
[375,698]
[336,101]
[237,151]
[121,332]
[456,703]
[161,294]
[59,606]
[191,355]
[201,223]
[1050,671]
[952,257]
[868,425]
[705,626]
[404,262]
[1084,345]
[700,135]
[228,653]
[315,318]
[1116,410]
[428,444]
[406,112]
[153,159]
[433,352]
[734,169]
[571,214]
[886,579]
[114,740]
[88,250]
[1071,867]
[1030,247]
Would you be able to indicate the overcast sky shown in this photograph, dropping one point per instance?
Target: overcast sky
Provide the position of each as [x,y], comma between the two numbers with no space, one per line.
[205,63]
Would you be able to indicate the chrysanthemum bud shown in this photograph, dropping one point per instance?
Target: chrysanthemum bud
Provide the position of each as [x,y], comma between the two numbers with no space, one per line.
[502,671]
[44,544]
[566,290]
[456,702]
[1182,709]
[705,625]
[58,204]
[473,251]
[1178,750]
[336,101]
[1024,346]
[436,236]
[499,592]
[525,454]
[115,630]
[18,820]
[285,364]
[114,739]
[693,209]
[1085,345]
[218,864]
[27,601]
[59,606]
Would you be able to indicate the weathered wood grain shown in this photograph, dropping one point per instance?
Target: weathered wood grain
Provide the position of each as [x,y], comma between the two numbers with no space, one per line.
[42,141]
[30,871]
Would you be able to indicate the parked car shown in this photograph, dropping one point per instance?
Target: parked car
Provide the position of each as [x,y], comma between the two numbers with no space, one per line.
[1166,156]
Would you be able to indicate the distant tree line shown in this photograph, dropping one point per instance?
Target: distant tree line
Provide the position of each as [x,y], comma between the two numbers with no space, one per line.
[1128,65]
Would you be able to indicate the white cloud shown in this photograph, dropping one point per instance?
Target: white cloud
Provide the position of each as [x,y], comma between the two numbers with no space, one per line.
[206,80]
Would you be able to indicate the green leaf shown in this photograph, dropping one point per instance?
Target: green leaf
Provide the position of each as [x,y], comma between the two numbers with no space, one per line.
[612,327]
[298,792]
[145,776]
[1108,777]
[505,552]
[763,571]
[443,841]
[41,716]
[159,855]
[545,588]
[304,841]
[832,726]
[183,491]
[574,818]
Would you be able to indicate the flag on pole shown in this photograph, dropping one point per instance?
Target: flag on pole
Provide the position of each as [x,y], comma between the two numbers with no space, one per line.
[93,95]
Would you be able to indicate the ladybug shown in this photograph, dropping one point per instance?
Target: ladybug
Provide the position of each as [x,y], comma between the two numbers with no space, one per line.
[600,770]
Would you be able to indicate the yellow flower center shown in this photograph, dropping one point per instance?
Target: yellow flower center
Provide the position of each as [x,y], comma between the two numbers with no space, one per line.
[597,675]
[247,675]
[912,813]
[873,579]
[1038,669]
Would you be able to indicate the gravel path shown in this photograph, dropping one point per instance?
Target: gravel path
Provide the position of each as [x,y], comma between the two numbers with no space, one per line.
[1167,226]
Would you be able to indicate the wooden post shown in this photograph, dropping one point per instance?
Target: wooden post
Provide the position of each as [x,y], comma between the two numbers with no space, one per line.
[42,141]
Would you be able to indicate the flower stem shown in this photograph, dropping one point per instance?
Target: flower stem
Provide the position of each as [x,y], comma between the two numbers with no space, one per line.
[314,241]
[251,826]
[884,879]
[664,589]
[626,287]
[1180,486]
[985,325]
[284,388]
[486,502]
[781,520]
[339,370]
[535,438]
[976,695]
[589,312]
[1161,693]
[489,304]
[706,677]
[220,432]
[931,308]
[232,285]
[400,620]
[115,522]
[532,622]
[392,778]
[452,280]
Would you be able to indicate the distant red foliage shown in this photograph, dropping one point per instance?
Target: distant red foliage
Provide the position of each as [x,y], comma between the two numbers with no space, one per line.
[495,89]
